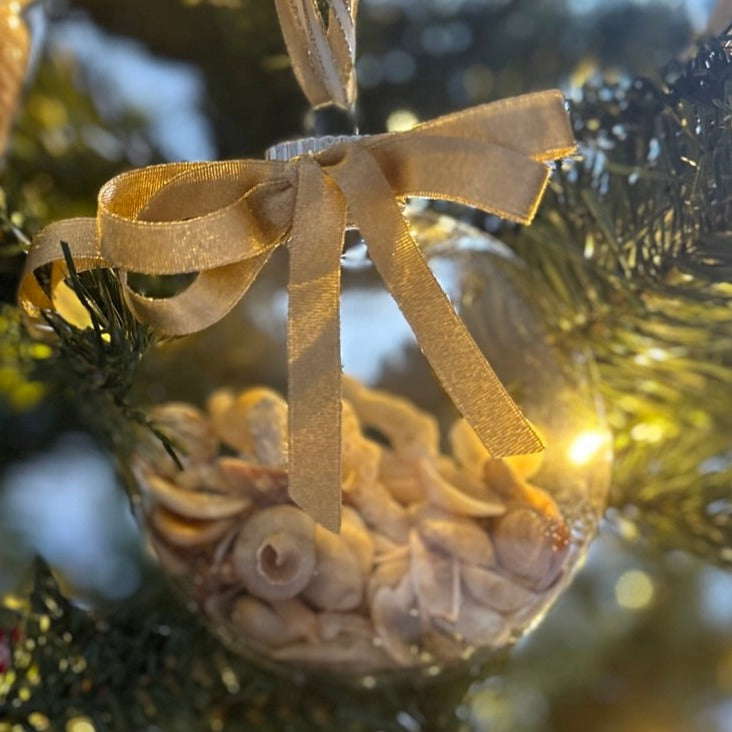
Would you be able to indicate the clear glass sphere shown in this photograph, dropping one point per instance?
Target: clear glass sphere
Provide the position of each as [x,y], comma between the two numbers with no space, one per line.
[446,555]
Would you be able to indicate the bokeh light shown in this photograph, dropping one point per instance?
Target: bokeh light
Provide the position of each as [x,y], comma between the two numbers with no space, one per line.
[586,446]
[634,590]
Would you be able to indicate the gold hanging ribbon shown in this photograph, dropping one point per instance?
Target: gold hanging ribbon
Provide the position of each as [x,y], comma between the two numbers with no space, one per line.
[15,42]
[222,220]
[323,59]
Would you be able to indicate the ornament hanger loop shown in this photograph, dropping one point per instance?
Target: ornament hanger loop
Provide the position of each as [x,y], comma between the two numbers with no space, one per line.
[323,57]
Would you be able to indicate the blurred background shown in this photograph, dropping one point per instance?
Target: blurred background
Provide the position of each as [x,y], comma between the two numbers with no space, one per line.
[641,642]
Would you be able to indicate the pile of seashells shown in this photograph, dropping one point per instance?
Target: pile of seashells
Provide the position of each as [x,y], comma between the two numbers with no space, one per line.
[439,554]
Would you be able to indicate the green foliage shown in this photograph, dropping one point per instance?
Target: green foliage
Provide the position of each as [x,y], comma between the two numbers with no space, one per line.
[19,359]
[82,373]
[62,150]
[95,366]
[632,247]
[151,662]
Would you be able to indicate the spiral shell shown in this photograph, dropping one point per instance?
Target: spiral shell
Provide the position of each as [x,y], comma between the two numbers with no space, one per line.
[337,582]
[275,552]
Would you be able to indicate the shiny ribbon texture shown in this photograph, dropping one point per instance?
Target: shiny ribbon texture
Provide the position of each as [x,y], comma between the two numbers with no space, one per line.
[15,45]
[323,58]
[222,220]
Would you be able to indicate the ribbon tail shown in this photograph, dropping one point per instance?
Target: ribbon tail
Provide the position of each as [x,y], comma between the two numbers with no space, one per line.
[313,346]
[454,356]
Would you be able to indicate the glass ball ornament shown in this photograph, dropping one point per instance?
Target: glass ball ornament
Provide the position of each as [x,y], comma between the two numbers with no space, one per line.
[446,555]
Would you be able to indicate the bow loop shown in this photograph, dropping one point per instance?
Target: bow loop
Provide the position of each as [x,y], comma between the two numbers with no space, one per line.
[223,220]
[192,217]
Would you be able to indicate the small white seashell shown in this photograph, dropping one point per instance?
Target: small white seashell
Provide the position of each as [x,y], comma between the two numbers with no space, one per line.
[260,622]
[467,448]
[388,574]
[254,422]
[275,552]
[192,435]
[222,552]
[436,582]
[346,655]
[400,551]
[407,428]
[501,479]
[445,495]
[477,625]
[494,590]
[186,533]
[360,460]
[358,538]
[471,454]
[466,482]
[299,617]
[378,509]
[396,621]
[194,504]
[201,477]
[359,457]
[334,624]
[219,403]
[350,425]
[262,483]
[457,536]
[386,548]
[399,477]
[337,583]
[529,546]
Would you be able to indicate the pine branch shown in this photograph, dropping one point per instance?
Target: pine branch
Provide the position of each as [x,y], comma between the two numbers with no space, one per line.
[85,372]
[95,366]
[631,257]
[121,671]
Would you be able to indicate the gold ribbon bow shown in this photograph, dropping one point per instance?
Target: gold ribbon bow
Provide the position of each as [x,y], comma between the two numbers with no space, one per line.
[223,220]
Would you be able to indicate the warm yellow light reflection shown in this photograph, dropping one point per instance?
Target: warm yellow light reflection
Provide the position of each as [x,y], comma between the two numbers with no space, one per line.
[634,590]
[401,120]
[724,673]
[582,72]
[79,724]
[648,432]
[586,445]
[69,307]
[39,721]
[14,602]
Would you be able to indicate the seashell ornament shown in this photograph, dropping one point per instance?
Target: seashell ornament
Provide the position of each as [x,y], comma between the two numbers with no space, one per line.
[446,554]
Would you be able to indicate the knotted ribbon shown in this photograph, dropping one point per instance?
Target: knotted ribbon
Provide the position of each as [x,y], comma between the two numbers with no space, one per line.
[222,220]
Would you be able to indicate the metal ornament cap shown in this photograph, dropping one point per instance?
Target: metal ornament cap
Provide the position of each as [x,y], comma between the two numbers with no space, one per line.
[289,149]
